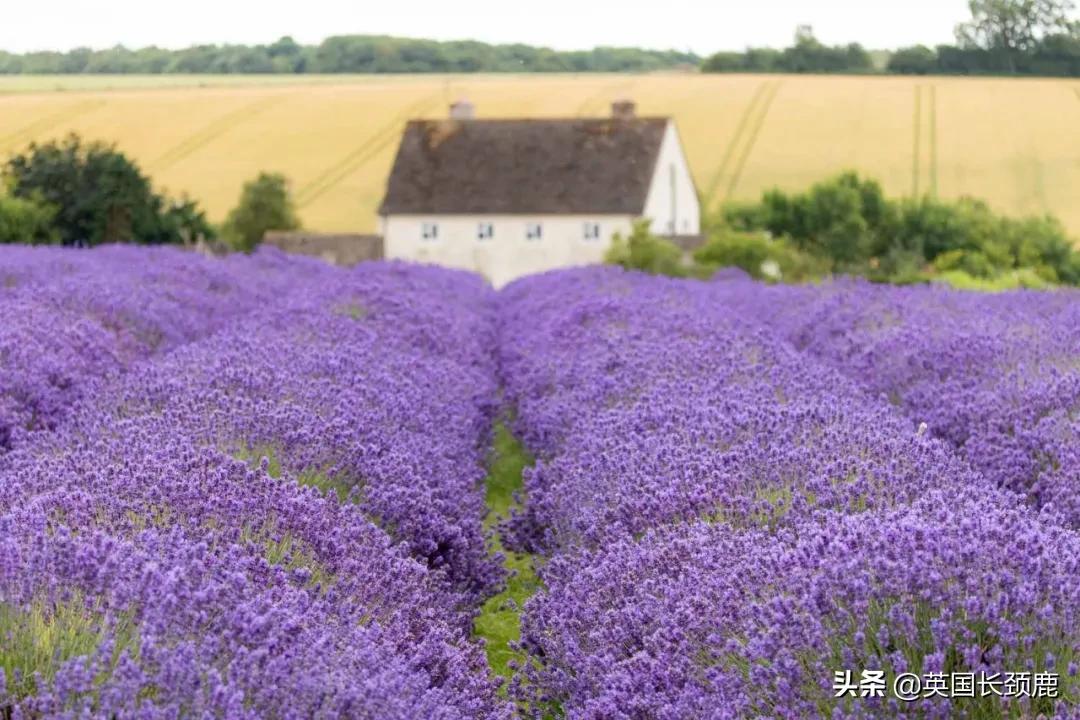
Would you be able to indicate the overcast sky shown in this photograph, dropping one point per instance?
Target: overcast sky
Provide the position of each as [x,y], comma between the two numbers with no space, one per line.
[700,25]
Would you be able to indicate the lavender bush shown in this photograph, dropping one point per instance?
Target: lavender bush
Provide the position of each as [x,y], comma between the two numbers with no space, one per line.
[729,521]
[649,403]
[998,376]
[214,531]
[254,488]
[71,317]
[704,620]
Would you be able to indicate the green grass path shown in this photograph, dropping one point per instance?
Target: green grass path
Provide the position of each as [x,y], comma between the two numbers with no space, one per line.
[498,622]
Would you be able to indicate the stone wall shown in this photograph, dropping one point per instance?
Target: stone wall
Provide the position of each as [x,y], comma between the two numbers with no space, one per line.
[337,249]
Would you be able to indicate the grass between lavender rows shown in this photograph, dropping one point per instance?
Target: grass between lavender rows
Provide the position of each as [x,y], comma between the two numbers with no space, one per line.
[499,620]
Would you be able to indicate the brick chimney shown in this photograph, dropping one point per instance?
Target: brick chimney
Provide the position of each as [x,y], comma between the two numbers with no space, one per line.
[462,110]
[624,109]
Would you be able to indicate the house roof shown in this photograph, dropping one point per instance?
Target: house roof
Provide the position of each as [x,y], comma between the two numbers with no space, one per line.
[524,167]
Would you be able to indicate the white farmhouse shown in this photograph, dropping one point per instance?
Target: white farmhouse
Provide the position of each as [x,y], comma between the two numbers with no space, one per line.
[507,198]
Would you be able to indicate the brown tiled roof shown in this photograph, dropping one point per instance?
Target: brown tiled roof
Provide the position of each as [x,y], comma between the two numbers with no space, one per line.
[579,166]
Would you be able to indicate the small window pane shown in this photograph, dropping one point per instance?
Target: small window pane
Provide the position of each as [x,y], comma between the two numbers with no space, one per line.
[485,231]
[429,231]
[533,231]
[592,231]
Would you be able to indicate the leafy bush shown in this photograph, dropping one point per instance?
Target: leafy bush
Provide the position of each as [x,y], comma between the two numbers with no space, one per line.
[100,196]
[762,257]
[646,252]
[848,221]
[972,262]
[842,219]
[265,204]
[26,222]
[1013,280]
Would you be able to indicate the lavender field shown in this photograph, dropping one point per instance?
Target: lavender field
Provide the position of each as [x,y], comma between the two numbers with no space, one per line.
[263,487]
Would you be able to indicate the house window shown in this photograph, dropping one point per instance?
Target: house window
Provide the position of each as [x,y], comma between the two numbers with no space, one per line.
[485,231]
[591,231]
[534,231]
[429,231]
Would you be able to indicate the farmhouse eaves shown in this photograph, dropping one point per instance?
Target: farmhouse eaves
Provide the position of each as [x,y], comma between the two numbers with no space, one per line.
[524,167]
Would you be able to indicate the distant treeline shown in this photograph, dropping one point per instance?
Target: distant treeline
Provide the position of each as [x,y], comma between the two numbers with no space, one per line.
[1058,55]
[344,54]
[1002,37]
[807,55]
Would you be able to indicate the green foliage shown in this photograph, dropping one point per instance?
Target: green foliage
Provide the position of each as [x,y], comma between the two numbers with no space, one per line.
[265,204]
[760,256]
[499,619]
[345,54]
[806,55]
[40,637]
[842,219]
[26,221]
[847,222]
[915,60]
[646,252]
[971,262]
[337,487]
[98,195]
[1003,37]
[1023,278]
[1014,25]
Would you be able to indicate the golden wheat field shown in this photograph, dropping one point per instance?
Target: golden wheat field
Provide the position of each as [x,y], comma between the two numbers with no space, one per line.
[1014,143]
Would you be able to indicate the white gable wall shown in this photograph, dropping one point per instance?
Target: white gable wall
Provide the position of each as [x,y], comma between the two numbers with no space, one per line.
[508,254]
[672,203]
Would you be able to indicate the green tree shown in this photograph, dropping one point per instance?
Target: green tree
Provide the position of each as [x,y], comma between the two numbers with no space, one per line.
[187,221]
[1014,25]
[725,62]
[844,219]
[100,196]
[26,222]
[265,204]
[915,60]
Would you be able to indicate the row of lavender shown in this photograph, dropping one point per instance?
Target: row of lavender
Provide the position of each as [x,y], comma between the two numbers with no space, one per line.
[995,375]
[281,519]
[71,317]
[728,522]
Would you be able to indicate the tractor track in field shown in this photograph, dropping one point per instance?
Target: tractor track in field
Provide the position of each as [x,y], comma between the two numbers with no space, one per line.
[755,132]
[916,142]
[933,142]
[714,182]
[746,133]
[211,132]
[929,100]
[363,153]
[48,122]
